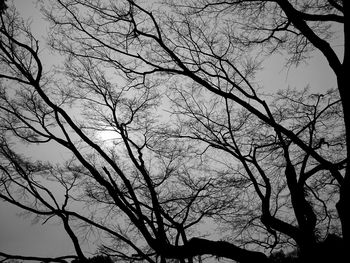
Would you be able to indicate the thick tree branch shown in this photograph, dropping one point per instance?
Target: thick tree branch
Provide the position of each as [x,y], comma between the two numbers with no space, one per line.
[199,246]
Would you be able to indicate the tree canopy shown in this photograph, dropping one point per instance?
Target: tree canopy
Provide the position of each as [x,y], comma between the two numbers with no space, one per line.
[204,160]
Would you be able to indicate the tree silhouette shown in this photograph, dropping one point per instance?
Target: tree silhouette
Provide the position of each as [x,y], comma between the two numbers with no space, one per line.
[3,6]
[199,143]
[96,259]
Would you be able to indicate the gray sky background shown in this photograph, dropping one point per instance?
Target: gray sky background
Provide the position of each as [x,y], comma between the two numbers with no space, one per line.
[19,236]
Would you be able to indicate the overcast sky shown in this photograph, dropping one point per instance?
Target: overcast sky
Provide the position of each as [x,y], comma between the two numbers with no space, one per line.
[17,235]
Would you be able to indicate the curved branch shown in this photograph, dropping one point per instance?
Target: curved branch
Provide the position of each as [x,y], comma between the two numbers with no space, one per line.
[40,259]
[199,246]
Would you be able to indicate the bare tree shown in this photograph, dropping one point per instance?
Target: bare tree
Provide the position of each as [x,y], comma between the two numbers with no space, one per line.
[196,139]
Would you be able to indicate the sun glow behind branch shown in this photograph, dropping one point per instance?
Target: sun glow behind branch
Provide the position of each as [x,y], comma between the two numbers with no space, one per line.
[108,137]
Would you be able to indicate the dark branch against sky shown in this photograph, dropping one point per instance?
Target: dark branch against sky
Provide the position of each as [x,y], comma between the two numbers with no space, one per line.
[221,112]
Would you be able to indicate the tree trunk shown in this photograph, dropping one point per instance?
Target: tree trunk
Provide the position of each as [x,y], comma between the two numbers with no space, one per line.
[344,201]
